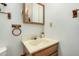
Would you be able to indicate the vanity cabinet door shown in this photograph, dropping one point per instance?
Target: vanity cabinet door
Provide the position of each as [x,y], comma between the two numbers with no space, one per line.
[46,52]
[54,54]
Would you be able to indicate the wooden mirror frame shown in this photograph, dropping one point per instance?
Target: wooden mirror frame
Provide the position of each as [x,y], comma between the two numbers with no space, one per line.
[23,11]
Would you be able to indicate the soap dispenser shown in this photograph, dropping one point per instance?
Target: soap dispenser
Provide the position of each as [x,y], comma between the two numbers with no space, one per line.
[42,35]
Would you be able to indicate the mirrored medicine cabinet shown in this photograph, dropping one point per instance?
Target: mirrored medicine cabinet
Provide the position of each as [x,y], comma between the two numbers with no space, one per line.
[34,13]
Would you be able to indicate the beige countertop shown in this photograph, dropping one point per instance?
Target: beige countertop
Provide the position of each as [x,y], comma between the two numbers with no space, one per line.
[36,45]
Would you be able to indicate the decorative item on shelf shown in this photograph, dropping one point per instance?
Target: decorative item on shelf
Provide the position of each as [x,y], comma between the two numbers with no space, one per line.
[4,4]
[16,29]
[75,13]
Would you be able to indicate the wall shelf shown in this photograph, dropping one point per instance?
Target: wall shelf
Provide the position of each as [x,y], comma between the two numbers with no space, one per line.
[8,14]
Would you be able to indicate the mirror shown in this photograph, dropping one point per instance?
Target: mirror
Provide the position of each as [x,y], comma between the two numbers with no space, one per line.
[33,13]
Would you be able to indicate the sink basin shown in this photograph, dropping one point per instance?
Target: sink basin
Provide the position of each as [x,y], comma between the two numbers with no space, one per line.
[38,44]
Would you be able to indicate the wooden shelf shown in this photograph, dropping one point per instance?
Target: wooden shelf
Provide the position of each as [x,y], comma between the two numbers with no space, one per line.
[9,14]
[4,12]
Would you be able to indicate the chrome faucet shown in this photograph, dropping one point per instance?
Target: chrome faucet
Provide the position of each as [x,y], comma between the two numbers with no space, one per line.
[34,37]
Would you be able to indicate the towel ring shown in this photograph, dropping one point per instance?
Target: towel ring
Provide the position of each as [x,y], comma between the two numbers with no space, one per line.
[14,31]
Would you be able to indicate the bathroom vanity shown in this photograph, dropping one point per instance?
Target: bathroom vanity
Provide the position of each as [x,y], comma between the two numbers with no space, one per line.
[40,47]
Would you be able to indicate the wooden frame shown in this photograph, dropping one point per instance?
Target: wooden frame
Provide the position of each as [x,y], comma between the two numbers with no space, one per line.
[34,22]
